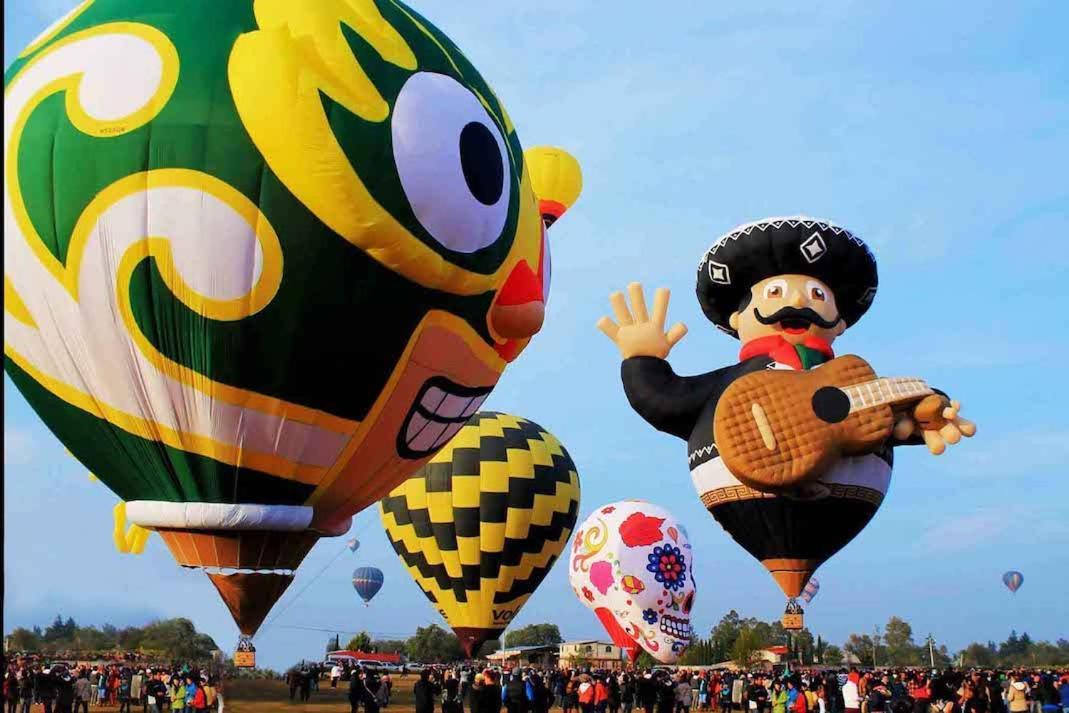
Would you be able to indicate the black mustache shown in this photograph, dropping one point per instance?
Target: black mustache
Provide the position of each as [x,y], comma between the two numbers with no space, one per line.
[804,313]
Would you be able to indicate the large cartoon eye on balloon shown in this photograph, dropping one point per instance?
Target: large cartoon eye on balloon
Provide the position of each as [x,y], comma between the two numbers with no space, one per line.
[261,264]
[633,566]
[480,526]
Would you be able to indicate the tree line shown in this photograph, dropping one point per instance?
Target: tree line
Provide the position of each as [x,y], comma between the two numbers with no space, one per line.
[172,639]
[741,640]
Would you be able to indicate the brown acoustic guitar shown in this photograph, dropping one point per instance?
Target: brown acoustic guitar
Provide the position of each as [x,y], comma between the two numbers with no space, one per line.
[777,429]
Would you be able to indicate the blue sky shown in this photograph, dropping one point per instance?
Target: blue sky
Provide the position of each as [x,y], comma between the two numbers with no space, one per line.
[936,132]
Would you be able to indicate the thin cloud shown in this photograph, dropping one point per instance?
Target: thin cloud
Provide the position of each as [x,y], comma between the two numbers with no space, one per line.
[997,524]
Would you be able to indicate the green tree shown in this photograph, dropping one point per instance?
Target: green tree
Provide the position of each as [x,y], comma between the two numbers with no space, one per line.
[746,649]
[803,646]
[534,635]
[724,634]
[389,646]
[819,648]
[832,656]
[22,639]
[360,642]
[644,661]
[861,646]
[56,632]
[178,639]
[433,644]
[977,654]
[488,647]
[699,653]
[899,647]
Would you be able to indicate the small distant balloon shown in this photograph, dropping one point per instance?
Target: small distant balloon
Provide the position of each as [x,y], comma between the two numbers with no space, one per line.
[811,589]
[353,544]
[1013,580]
[367,581]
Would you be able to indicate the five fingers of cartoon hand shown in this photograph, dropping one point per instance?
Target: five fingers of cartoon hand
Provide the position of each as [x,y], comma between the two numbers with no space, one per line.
[619,308]
[638,302]
[904,428]
[609,327]
[934,442]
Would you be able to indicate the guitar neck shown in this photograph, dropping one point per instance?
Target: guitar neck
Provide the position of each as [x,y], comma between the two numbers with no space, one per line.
[890,390]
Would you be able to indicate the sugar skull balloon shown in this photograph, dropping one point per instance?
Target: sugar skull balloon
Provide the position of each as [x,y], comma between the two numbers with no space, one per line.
[631,563]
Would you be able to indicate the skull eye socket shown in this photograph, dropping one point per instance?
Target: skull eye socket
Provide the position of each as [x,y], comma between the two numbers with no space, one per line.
[688,602]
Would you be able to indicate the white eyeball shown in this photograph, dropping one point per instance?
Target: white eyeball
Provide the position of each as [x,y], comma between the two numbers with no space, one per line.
[452,162]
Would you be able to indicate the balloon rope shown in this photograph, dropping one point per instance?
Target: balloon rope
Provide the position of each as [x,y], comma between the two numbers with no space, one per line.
[319,574]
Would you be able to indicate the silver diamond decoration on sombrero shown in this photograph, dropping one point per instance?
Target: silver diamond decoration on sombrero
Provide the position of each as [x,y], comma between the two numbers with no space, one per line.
[775,224]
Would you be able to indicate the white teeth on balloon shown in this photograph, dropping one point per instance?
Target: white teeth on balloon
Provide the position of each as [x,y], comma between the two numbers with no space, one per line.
[441,409]
[416,423]
[474,406]
[450,431]
[428,436]
[674,626]
[432,400]
[452,407]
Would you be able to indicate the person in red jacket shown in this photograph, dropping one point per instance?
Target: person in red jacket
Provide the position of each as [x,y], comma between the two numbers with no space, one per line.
[601,695]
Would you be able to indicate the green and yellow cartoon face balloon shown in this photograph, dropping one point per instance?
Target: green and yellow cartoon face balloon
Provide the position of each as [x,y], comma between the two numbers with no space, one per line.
[262,259]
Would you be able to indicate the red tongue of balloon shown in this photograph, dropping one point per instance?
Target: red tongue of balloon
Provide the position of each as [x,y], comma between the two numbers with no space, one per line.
[616,632]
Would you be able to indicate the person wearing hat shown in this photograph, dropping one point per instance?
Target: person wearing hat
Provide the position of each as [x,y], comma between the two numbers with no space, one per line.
[786,288]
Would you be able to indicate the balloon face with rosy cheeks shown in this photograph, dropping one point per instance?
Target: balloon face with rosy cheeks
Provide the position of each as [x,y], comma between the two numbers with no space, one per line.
[794,307]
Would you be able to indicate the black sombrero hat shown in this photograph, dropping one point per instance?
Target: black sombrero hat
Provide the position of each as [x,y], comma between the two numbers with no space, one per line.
[781,246]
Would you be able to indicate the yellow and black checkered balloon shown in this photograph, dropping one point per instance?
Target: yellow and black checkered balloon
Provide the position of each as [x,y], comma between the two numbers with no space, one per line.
[482,523]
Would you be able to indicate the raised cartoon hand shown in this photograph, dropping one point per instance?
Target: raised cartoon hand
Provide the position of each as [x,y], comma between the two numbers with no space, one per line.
[639,334]
[937,439]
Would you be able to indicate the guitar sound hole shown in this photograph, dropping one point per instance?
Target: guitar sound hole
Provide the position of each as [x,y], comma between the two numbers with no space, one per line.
[830,404]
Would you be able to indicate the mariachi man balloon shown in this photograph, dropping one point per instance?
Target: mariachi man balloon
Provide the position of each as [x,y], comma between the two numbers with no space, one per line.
[792,463]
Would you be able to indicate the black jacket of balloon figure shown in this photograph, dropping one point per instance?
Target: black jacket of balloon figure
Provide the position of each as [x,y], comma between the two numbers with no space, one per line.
[792,463]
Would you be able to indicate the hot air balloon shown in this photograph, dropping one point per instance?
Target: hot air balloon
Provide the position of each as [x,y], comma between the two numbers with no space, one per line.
[480,526]
[201,200]
[811,589]
[632,565]
[1013,580]
[791,468]
[367,581]
[557,180]
[353,545]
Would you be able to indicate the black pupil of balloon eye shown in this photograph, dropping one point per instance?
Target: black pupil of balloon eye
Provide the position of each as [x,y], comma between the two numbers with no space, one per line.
[480,159]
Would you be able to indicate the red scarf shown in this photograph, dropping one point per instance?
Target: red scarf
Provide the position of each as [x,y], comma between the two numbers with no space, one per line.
[780,350]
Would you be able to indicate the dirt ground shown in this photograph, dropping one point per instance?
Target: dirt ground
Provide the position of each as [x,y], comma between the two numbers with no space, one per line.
[274,697]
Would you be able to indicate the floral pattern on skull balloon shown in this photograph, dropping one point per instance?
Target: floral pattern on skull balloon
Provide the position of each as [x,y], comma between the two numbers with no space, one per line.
[632,565]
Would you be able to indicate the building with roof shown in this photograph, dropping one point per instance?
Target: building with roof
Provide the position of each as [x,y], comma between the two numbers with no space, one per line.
[544,656]
[592,653]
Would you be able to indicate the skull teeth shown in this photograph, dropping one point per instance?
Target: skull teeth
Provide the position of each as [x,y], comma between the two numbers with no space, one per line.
[674,626]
